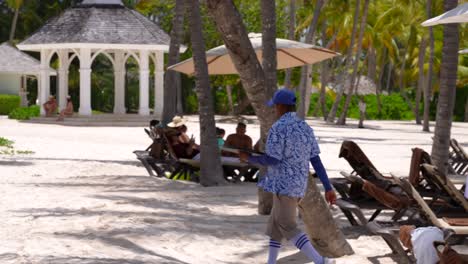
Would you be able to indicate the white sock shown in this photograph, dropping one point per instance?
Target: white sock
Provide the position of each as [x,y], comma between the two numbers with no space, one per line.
[273,251]
[303,244]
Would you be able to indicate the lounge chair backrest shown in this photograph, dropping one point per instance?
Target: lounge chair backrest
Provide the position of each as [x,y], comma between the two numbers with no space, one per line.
[445,184]
[361,164]
[418,158]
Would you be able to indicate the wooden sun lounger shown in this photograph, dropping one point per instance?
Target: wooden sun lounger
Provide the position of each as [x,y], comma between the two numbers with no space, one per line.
[429,213]
[445,185]
[458,158]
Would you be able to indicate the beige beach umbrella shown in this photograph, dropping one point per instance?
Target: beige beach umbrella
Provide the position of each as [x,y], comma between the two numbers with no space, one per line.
[465,51]
[290,54]
[456,15]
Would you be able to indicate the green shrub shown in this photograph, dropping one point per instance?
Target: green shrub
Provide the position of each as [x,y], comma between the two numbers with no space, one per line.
[25,113]
[5,142]
[8,103]
[394,107]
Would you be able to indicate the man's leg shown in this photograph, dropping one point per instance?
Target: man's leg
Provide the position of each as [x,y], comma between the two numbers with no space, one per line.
[288,226]
[274,233]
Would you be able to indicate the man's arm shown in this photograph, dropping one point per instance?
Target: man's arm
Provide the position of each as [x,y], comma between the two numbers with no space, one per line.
[321,172]
[263,160]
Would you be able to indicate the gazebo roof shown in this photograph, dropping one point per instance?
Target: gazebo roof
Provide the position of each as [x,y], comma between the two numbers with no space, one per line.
[15,61]
[99,24]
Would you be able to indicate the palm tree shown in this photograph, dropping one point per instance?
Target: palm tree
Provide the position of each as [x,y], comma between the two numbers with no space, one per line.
[16,5]
[344,74]
[269,63]
[342,120]
[210,162]
[448,79]
[172,78]
[422,53]
[306,72]
[428,87]
[291,36]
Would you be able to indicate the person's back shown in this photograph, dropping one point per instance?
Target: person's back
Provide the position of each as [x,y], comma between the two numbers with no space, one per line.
[291,142]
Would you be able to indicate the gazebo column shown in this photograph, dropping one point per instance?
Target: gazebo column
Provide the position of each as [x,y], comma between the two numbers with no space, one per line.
[159,84]
[85,82]
[119,82]
[44,79]
[144,83]
[63,78]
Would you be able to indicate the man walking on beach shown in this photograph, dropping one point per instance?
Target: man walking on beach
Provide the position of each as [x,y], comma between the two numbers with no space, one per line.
[290,146]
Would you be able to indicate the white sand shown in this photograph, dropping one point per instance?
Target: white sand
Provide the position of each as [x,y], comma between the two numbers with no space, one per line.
[81,198]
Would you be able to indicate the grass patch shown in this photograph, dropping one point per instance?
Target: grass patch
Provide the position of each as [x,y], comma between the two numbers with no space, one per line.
[4,142]
[7,148]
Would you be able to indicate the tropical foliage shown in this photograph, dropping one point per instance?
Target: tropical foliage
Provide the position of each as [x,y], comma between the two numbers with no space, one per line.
[389,55]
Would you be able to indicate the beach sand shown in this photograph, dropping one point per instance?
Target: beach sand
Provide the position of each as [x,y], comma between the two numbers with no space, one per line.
[82,197]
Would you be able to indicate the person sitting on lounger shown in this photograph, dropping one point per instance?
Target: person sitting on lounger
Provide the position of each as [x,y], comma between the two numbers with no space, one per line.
[50,107]
[239,140]
[68,111]
[182,150]
[178,123]
[220,136]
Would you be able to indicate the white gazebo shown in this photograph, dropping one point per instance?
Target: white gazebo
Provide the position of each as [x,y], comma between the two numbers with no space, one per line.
[101,27]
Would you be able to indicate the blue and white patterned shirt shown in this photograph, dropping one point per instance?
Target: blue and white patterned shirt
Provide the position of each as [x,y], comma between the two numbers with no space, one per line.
[292,142]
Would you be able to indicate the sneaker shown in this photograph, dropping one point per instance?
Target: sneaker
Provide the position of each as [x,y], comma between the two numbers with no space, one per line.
[328,261]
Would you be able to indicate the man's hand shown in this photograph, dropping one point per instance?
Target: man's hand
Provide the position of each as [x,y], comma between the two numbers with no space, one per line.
[330,196]
[243,156]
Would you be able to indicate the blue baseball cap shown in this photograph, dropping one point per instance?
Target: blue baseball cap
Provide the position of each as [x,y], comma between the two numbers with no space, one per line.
[283,96]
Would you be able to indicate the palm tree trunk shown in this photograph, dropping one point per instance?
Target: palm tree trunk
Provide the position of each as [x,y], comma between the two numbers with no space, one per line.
[389,77]
[321,227]
[291,36]
[229,96]
[342,77]
[307,72]
[371,65]
[13,25]
[428,86]
[379,82]
[466,110]
[422,52]
[211,172]
[342,119]
[448,79]
[172,78]
[232,29]
[324,77]
[269,43]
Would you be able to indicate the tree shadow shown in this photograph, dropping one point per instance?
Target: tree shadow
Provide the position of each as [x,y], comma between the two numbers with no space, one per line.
[119,242]
[83,260]
[15,163]
[377,259]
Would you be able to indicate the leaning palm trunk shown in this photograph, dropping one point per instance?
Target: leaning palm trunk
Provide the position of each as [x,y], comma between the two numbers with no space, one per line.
[322,229]
[445,106]
[229,24]
[342,120]
[422,52]
[307,71]
[210,162]
[172,78]
[344,74]
[428,87]
[13,26]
